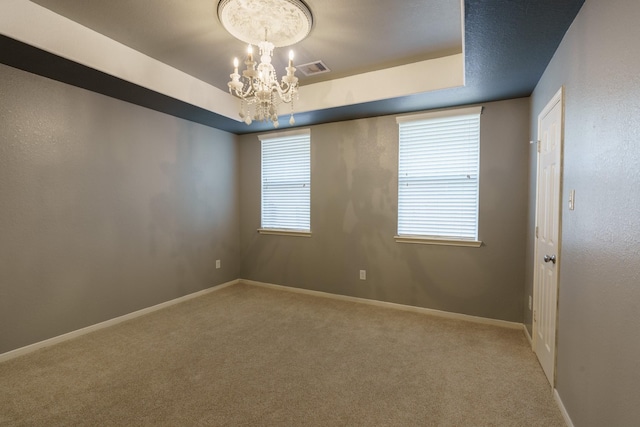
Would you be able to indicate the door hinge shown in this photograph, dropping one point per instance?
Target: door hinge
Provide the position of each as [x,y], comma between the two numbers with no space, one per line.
[534,316]
[536,231]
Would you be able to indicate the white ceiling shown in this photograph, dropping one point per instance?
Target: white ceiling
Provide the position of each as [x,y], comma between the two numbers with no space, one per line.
[350,37]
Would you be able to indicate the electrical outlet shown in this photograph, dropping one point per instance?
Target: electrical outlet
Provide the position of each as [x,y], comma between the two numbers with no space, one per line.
[529,302]
[363,274]
[217,263]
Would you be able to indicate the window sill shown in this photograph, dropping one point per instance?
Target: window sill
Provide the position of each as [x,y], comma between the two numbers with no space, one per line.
[274,231]
[420,240]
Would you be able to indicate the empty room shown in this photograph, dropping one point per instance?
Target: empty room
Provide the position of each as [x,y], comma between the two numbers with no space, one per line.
[319,212]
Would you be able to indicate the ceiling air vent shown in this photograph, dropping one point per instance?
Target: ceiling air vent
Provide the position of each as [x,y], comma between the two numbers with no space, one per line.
[313,68]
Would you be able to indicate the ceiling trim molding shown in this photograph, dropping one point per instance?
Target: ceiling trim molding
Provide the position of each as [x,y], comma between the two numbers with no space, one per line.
[503,53]
[444,73]
[39,27]
[25,57]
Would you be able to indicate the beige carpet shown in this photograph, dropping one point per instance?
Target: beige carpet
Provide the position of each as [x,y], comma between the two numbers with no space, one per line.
[251,356]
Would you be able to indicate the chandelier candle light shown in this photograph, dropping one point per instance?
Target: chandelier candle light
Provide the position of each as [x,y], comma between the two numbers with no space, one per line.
[284,22]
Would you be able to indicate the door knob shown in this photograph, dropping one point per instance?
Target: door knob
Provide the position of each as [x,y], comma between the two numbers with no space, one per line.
[551,258]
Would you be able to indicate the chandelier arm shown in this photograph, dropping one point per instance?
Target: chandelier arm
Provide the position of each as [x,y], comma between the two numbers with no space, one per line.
[253,85]
[286,91]
[241,93]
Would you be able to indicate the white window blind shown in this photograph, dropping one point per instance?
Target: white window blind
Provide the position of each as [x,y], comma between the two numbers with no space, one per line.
[286,180]
[438,169]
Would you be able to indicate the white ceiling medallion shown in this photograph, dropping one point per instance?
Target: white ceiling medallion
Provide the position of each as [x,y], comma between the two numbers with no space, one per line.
[267,24]
[287,21]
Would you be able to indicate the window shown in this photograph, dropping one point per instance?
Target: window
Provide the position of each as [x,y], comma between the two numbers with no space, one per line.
[439,156]
[286,183]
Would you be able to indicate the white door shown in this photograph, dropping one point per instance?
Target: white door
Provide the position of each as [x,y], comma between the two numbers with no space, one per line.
[545,291]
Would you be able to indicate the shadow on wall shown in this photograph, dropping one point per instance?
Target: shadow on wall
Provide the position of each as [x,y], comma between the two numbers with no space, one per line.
[189,220]
[354,221]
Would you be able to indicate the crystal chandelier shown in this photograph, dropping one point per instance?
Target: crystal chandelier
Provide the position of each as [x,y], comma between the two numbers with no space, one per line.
[266,24]
[259,90]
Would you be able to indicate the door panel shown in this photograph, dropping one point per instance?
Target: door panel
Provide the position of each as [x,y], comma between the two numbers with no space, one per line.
[548,207]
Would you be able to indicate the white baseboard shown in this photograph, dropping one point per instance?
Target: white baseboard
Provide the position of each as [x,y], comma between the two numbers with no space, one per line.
[422,310]
[73,334]
[563,410]
[526,334]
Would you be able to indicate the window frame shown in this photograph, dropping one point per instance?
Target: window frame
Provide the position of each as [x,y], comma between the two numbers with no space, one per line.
[282,231]
[432,239]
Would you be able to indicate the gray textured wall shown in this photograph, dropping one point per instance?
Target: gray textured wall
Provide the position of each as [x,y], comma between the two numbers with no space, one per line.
[353,221]
[105,208]
[598,360]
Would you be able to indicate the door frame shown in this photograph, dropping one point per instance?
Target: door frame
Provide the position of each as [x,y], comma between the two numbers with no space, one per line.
[557,98]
